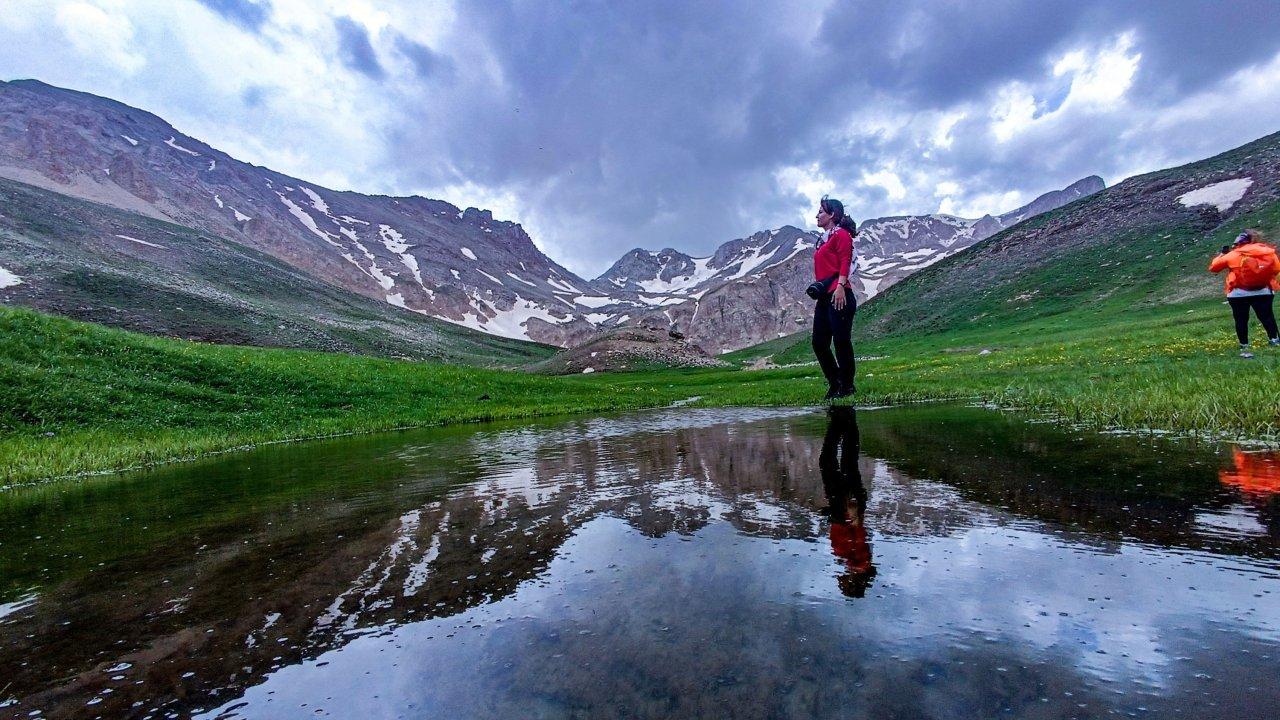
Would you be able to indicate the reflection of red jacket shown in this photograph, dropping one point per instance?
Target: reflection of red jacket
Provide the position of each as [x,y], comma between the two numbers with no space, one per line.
[849,543]
[1254,473]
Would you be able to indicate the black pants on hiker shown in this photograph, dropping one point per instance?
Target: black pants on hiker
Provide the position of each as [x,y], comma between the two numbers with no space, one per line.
[831,326]
[1261,305]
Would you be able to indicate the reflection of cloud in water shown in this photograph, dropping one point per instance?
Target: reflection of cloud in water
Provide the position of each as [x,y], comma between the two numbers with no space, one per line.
[676,558]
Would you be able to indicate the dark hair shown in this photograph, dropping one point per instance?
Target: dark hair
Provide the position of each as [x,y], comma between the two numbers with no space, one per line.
[835,208]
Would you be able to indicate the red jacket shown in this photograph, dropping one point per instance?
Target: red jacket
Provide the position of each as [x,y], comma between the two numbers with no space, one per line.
[834,257]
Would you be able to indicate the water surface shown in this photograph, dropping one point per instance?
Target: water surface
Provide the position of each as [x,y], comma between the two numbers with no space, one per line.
[930,562]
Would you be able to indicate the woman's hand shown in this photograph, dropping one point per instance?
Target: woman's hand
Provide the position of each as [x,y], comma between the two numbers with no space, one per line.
[837,298]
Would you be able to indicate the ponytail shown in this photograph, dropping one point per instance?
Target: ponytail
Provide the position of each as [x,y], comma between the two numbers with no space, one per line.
[836,209]
[848,224]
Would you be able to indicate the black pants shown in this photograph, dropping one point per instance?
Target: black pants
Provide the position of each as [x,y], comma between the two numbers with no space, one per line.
[1261,305]
[831,325]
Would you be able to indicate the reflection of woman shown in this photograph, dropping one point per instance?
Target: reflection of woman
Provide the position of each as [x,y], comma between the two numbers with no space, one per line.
[846,501]
[833,315]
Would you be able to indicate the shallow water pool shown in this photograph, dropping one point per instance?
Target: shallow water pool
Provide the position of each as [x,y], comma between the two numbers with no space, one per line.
[918,562]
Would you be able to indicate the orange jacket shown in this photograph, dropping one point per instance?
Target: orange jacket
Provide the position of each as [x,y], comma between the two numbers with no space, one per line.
[1232,260]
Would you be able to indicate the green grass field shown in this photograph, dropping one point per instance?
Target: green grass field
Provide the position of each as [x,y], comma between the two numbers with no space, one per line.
[78,398]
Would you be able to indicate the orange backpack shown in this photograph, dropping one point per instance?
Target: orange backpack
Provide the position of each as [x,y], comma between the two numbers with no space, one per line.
[1257,268]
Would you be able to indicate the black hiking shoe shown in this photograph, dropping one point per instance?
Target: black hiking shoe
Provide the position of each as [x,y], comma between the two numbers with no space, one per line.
[833,392]
[845,392]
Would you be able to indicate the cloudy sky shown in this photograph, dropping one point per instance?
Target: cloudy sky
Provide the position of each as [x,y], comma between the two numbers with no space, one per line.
[603,126]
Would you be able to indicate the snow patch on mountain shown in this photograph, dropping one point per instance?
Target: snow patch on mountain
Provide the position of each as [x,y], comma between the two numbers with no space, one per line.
[510,323]
[8,279]
[173,143]
[141,242]
[317,202]
[307,221]
[594,301]
[467,252]
[749,263]
[662,301]
[393,240]
[1221,195]
[701,272]
[562,285]
[130,140]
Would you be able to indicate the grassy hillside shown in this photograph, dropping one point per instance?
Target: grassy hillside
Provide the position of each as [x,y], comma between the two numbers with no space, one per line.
[92,262]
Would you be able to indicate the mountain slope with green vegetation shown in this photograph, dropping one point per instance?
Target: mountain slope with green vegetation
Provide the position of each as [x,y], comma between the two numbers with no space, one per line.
[93,262]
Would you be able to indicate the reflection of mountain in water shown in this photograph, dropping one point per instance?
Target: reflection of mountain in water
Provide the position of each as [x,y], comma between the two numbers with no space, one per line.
[268,560]
[1100,489]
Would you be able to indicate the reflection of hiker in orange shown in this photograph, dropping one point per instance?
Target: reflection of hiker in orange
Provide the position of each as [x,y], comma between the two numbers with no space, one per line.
[1256,474]
[846,501]
[1251,284]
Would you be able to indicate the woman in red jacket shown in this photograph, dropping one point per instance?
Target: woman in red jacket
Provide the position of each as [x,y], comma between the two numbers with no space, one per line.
[1251,284]
[833,315]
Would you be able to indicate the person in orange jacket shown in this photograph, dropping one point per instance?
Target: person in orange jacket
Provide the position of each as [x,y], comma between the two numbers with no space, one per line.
[1251,284]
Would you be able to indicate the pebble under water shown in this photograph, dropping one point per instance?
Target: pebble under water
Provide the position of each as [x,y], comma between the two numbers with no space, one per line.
[917,562]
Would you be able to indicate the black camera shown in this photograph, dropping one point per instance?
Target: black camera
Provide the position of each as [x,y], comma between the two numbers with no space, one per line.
[818,288]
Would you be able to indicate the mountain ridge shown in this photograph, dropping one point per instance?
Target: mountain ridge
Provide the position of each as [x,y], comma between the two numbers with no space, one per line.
[752,288]
[431,257]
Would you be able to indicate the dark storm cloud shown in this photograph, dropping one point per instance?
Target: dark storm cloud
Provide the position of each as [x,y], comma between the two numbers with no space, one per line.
[1187,45]
[248,14]
[356,51]
[656,124]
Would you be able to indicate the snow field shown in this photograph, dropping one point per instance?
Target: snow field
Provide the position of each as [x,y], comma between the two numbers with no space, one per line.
[1221,195]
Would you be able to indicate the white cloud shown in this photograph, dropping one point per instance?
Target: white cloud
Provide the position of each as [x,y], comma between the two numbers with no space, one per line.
[1103,77]
[95,33]
[808,182]
[941,136]
[1013,112]
[886,178]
